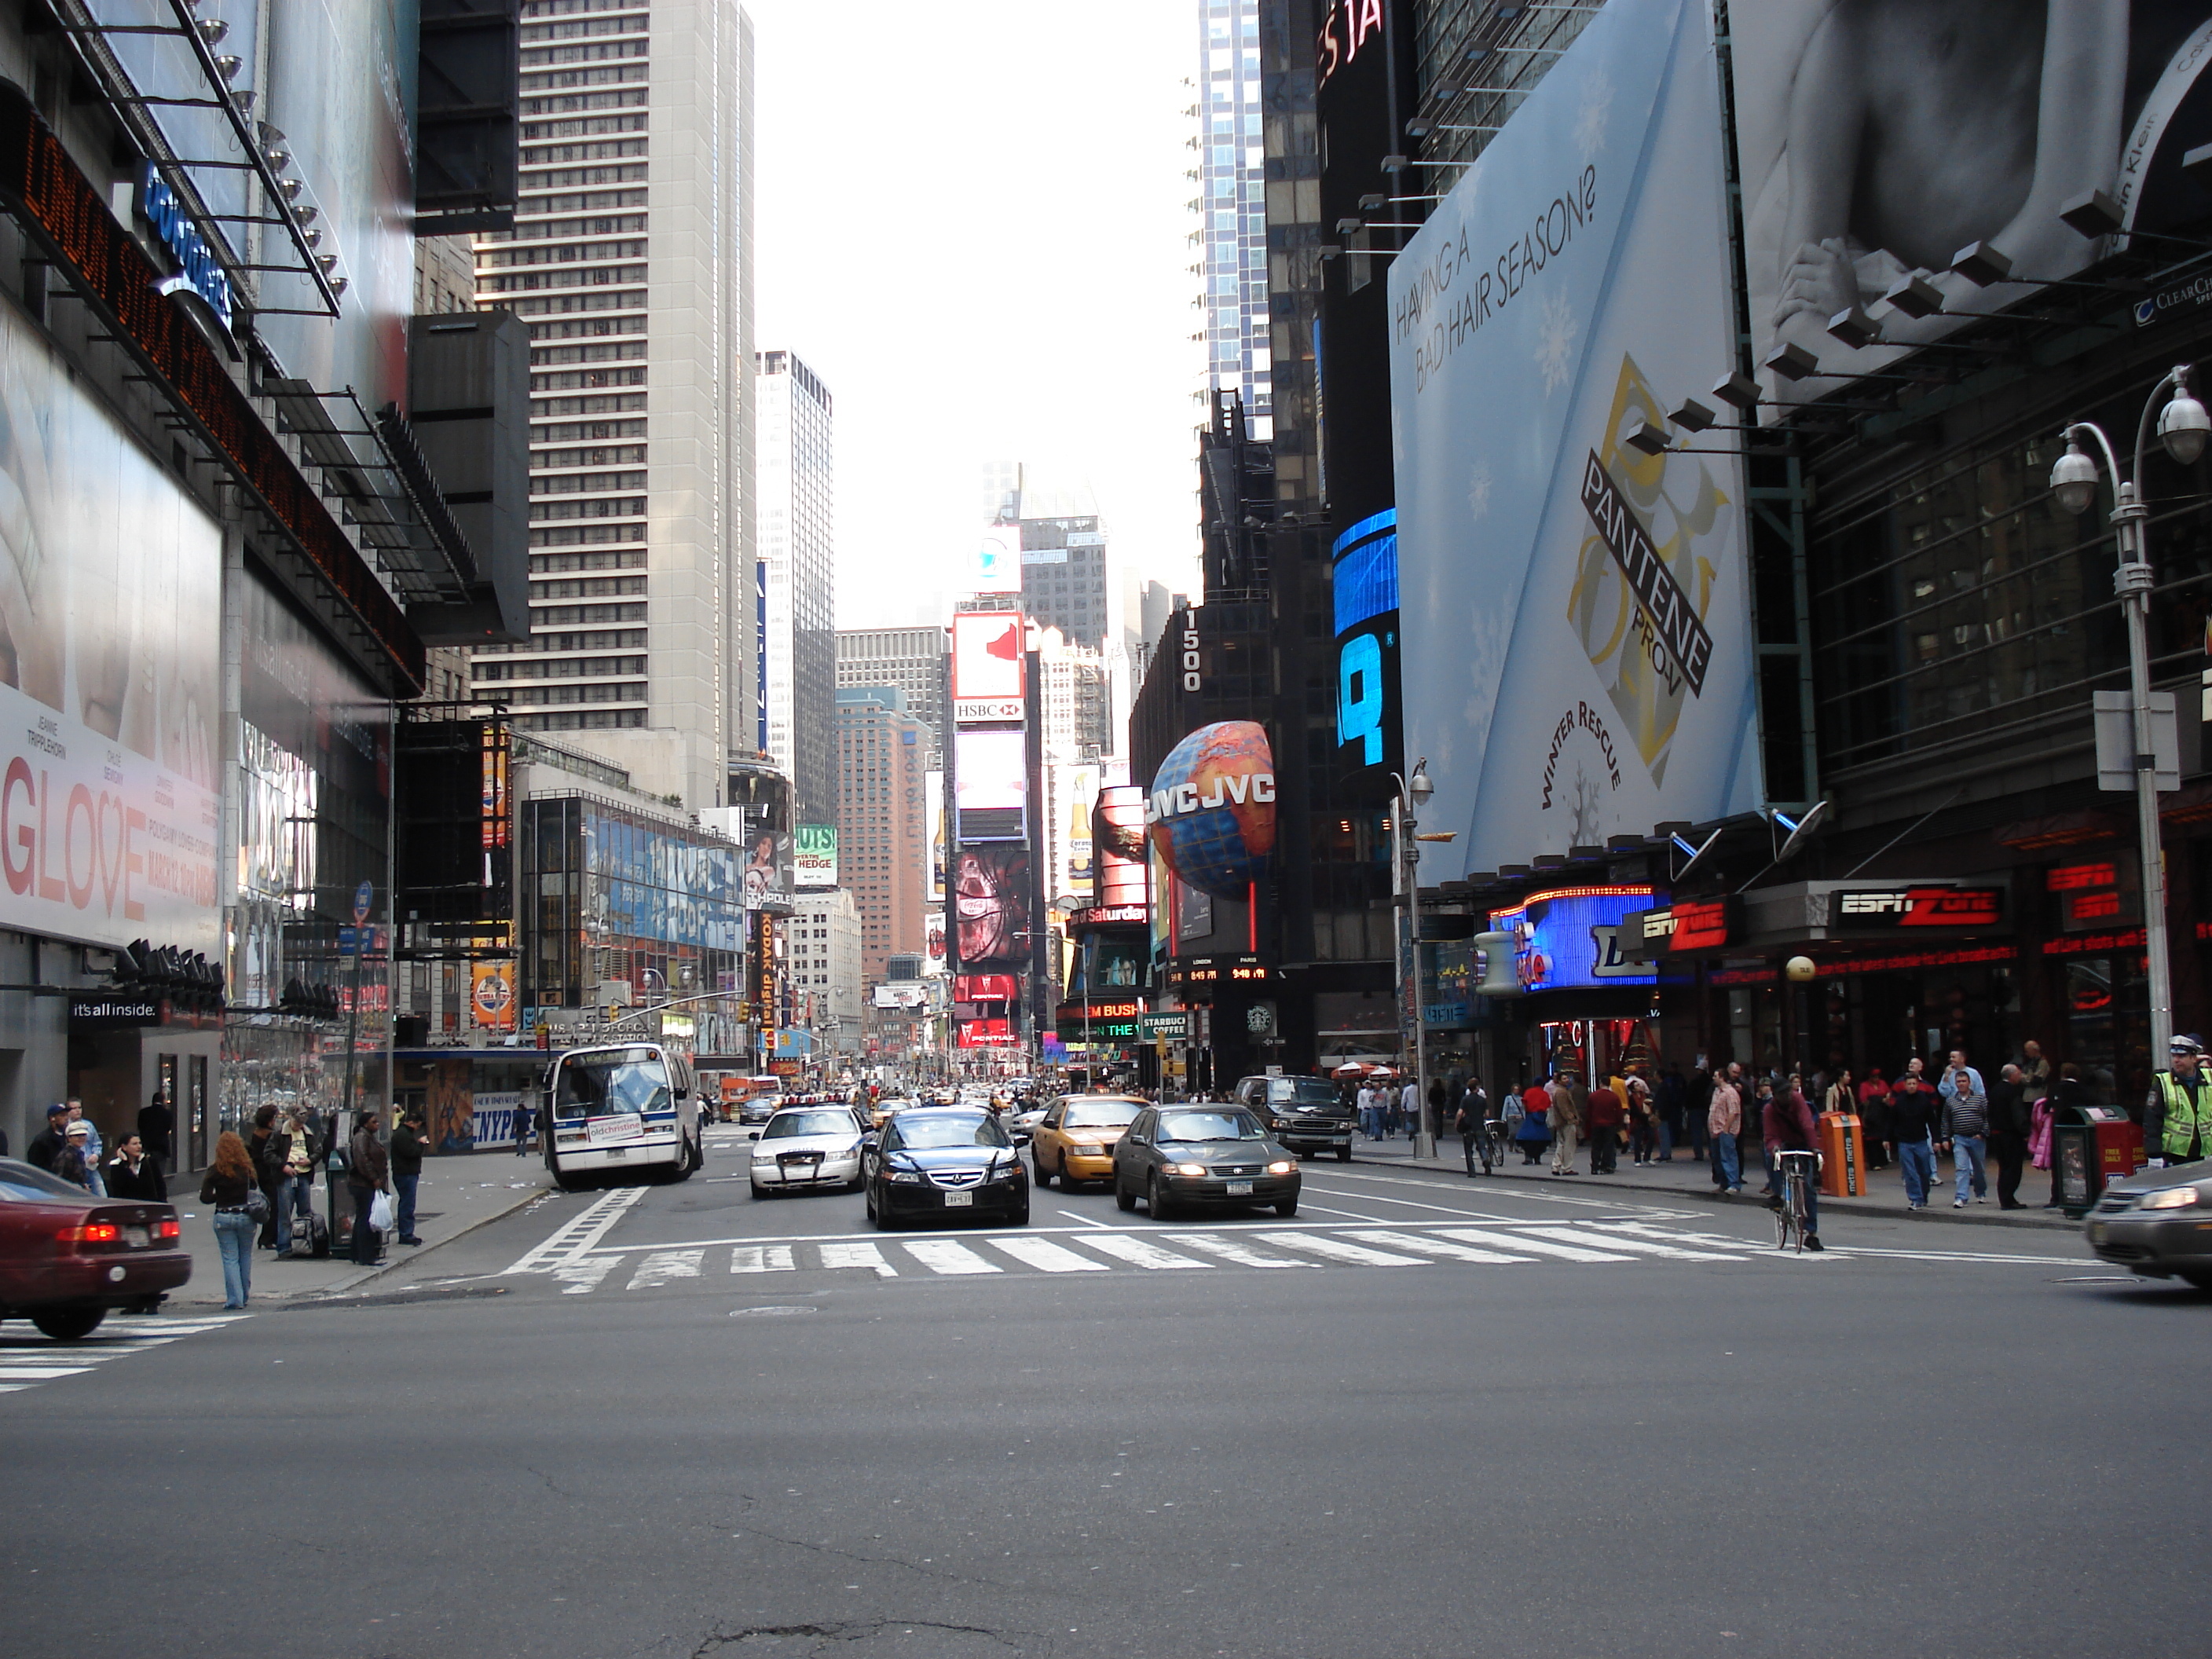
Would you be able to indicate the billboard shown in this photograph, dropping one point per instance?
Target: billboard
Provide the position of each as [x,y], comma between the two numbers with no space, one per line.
[999,559]
[1212,811]
[1117,834]
[910,995]
[1841,205]
[767,877]
[1366,589]
[932,795]
[491,995]
[110,683]
[987,676]
[814,855]
[984,988]
[990,785]
[986,1034]
[1078,794]
[1575,619]
[1570,939]
[991,907]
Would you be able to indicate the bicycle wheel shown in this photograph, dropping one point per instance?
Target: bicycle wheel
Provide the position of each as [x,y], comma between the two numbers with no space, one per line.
[1798,1207]
[1784,1224]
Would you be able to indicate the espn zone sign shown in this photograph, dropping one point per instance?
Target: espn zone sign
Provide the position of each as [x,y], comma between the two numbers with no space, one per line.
[1880,909]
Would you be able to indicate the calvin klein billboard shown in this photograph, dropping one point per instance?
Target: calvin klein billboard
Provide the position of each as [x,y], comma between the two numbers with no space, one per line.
[1577,650]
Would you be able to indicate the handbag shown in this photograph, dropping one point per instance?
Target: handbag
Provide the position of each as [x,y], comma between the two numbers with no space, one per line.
[256,1205]
[380,1212]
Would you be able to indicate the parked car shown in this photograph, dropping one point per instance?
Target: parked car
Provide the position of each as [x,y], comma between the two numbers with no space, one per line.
[944,1163]
[2157,1223]
[807,1147]
[67,1258]
[1304,1113]
[1074,1139]
[1175,1156]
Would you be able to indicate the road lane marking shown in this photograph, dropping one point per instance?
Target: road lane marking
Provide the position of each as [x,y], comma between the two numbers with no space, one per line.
[582,1278]
[1342,1250]
[1137,1252]
[1440,1247]
[762,1259]
[1086,1220]
[857,1255]
[1229,1250]
[1518,1240]
[27,1362]
[942,1255]
[580,1234]
[1540,1193]
[1415,1204]
[663,1265]
[1636,1246]
[1305,1203]
[43,1373]
[1048,1257]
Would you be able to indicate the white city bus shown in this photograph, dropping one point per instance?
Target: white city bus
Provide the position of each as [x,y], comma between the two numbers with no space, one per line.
[627,1109]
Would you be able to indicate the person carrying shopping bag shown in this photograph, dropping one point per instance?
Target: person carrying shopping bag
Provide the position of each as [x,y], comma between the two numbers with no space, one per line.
[369,1173]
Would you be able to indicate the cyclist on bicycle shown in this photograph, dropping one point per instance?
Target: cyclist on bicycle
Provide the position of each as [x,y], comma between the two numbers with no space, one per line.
[1786,1125]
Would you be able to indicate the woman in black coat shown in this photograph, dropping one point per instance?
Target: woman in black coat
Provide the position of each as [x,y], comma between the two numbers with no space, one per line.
[134,1172]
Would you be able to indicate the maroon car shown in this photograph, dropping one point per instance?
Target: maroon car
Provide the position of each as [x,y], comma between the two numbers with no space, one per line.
[67,1257]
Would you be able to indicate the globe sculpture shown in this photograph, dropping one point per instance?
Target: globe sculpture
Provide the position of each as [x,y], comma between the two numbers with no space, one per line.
[1212,810]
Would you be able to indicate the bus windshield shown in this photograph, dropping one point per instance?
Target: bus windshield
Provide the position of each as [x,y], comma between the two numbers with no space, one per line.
[611,1083]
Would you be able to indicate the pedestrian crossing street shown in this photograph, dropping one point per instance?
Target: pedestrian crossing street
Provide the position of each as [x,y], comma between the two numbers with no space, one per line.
[28,1359]
[582,1270]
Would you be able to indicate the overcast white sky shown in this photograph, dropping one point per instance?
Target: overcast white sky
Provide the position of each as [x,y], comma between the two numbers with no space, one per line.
[970,222]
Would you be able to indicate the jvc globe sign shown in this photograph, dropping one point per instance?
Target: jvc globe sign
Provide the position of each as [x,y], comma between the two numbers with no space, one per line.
[1211,809]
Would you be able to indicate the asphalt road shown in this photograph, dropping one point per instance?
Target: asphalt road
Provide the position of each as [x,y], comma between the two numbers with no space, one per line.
[697,1425]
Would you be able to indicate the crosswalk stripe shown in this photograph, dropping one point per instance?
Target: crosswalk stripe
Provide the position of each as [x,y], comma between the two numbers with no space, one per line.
[1618,1238]
[582,1278]
[43,1373]
[1441,1247]
[1048,1257]
[1136,1251]
[762,1259]
[1522,1239]
[857,1255]
[664,1264]
[1229,1250]
[1337,1249]
[942,1255]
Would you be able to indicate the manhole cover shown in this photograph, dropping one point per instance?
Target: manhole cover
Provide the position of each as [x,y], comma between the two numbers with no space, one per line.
[743,1313]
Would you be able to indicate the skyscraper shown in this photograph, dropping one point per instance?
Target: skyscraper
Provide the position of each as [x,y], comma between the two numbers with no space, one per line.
[912,658]
[631,260]
[798,643]
[1232,207]
[882,756]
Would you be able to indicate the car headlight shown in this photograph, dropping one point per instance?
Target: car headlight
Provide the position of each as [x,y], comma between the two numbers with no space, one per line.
[1282,1166]
[1088,1152]
[1188,1169]
[909,1177]
[2174,1198]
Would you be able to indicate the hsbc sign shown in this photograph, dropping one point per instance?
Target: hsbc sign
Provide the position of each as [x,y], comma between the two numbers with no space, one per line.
[1882,910]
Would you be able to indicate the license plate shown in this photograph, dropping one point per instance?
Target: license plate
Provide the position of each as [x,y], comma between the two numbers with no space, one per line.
[960,1201]
[1240,1189]
[2096,1232]
[137,1238]
[617,1152]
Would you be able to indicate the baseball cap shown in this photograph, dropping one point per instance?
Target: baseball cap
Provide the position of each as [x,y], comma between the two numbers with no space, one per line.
[80,1127]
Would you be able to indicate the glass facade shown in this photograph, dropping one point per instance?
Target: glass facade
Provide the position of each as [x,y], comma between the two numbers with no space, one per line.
[1231,205]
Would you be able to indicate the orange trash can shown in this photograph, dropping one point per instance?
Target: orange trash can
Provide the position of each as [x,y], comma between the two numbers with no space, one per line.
[1843,1155]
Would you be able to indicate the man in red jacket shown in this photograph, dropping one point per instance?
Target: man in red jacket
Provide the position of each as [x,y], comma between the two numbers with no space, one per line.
[1606,1115]
[1785,1125]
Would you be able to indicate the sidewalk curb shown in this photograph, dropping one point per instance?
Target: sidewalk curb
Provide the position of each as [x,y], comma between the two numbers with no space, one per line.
[2039,1219]
[346,1286]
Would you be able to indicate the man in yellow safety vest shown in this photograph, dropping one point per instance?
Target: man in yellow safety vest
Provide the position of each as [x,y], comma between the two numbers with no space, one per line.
[2178,1117]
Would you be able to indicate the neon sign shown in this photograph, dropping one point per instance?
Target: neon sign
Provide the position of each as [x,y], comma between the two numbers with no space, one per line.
[173,223]
[1347,25]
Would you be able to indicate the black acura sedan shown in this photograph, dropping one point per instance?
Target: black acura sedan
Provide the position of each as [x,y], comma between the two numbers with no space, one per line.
[1173,1157]
[941,1163]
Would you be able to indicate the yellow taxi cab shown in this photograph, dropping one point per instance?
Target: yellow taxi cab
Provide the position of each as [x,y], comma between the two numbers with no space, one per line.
[1074,1139]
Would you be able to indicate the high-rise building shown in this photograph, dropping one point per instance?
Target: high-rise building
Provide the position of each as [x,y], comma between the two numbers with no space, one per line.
[631,261]
[824,961]
[797,638]
[1232,206]
[912,658]
[882,756]
[1064,573]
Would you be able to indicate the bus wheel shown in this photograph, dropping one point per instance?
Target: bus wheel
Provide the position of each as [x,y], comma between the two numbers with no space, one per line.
[569,1183]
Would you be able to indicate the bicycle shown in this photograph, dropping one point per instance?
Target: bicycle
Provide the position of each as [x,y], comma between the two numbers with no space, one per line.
[1488,1143]
[1798,1168]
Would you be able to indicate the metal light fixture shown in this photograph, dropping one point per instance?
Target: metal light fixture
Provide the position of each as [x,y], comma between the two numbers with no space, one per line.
[1692,415]
[212,29]
[1981,264]
[1647,438]
[227,66]
[306,215]
[1793,363]
[1855,328]
[2183,424]
[312,238]
[1421,788]
[2074,477]
[289,189]
[329,262]
[1914,295]
[1418,128]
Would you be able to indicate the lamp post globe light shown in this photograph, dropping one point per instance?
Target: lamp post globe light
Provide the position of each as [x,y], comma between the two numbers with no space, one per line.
[1406,857]
[2183,428]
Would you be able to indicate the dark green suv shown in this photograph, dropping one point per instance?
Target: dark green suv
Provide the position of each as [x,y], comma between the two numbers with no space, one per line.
[1304,1113]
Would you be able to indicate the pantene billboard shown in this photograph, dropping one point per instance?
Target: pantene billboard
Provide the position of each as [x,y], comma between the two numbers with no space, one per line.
[110,619]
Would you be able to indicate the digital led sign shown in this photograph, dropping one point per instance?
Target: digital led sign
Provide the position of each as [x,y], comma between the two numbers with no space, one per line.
[1882,909]
[990,785]
[1569,938]
[1365,590]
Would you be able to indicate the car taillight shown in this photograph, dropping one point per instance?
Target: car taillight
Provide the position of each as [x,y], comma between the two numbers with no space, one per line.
[170,1230]
[93,1232]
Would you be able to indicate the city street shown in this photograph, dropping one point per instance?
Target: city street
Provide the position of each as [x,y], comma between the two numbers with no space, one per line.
[1426,1416]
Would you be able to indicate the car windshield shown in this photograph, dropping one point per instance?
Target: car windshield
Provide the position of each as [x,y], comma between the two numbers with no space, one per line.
[1101,1113]
[784,1125]
[26,1183]
[1300,1091]
[1210,1126]
[615,1083]
[931,1131]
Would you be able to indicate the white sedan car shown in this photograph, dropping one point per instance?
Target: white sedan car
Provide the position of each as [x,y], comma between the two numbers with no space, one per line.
[807,1146]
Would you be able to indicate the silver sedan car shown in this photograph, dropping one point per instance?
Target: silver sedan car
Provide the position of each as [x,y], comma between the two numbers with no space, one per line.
[805,1147]
[2157,1223]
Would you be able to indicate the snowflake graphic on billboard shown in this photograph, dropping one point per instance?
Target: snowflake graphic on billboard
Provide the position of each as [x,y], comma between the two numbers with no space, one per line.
[1478,491]
[1556,329]
[1590,118]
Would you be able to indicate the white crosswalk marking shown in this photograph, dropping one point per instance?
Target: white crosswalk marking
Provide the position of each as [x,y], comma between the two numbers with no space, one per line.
[1228,1250]
[40,1373]
[664,1264]
[29,1360]
[857,1255]
[1519,1239]
[1619,1241]
[569,1241]
[942,1255]
[762,1259]
[1442,1247]
[582,1278]
[1337,1249]
[1048,1257]
[1136,1251]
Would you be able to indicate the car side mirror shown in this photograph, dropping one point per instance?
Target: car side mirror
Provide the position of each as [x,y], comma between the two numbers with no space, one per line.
[752,1134]
[1021,1137]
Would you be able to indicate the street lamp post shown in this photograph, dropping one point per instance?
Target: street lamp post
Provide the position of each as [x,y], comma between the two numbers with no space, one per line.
[1406,860]
[2182,425]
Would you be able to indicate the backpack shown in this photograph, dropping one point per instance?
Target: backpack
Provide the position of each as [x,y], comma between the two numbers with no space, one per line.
[319,1234]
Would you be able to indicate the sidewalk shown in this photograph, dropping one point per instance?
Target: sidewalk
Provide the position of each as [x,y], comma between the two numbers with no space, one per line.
[1686,1177]
[458,1195]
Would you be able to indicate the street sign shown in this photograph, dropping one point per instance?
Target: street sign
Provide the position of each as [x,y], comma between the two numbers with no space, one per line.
[1165,1025]
[364,901]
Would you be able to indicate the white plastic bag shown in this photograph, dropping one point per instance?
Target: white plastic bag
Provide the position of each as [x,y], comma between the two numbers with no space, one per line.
[380,1212]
